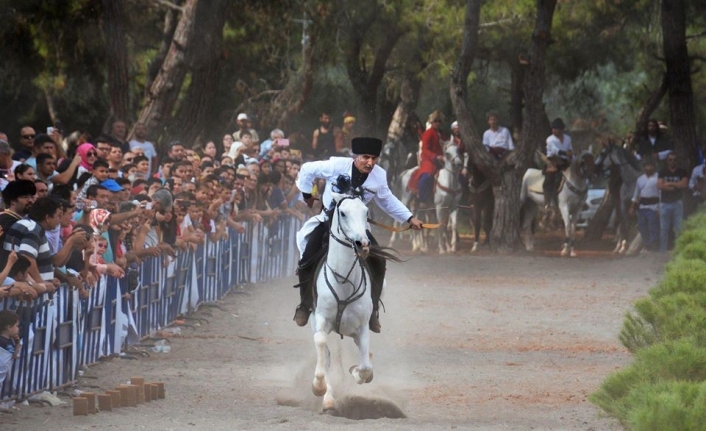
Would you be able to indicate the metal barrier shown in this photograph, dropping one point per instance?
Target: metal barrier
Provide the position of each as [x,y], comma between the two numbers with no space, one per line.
[62,332]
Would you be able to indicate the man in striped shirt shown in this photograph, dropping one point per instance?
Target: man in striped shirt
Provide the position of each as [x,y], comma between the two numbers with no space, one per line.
[28,238]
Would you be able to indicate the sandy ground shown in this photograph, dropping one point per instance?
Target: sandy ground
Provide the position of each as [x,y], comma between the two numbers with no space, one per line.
[469,342]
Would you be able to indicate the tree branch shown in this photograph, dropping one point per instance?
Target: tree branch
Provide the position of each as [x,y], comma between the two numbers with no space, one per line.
[170,5]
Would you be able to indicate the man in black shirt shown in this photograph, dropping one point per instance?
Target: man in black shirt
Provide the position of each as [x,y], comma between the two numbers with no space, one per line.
[672,181]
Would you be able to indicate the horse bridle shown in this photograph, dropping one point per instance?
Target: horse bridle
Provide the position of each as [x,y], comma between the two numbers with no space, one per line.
[357,291]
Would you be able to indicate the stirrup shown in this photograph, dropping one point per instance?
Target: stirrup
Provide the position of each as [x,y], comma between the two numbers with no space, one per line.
[301,315]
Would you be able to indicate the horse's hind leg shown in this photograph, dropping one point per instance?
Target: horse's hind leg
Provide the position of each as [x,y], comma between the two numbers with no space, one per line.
[453,230]
[363,372]
[321,385]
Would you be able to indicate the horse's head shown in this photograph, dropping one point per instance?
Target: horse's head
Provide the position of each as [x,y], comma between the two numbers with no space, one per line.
[349,223]
[453,160]
[587,165]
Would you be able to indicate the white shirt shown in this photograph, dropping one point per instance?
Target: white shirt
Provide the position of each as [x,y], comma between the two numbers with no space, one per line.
[330,169]
[498,139]
[646,187]
[696,174]
[3,181]
[147,147]
[554,145]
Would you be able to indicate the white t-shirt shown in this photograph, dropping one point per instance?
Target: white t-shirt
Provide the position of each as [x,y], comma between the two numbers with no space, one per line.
[498,139]
[147,147]
[554,145]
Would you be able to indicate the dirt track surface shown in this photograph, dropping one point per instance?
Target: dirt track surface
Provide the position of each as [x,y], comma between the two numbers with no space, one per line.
[468,342]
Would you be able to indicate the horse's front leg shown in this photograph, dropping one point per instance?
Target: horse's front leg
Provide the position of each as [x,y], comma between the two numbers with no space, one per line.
[441,233]
[320,382]
[566,216]
[363,372]
[453,230]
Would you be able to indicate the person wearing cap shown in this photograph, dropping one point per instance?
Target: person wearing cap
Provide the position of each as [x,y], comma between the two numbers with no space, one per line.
[244,123]
[364,173]
[559,153]
[431,157]
[497,139]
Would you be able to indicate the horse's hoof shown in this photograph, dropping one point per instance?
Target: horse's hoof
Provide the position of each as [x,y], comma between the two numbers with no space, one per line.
[318,391]
[475,247]
[564,252]
[573,254]
[330,411]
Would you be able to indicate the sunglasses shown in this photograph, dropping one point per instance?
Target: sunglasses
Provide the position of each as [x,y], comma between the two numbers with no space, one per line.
[28,136]
[91,154]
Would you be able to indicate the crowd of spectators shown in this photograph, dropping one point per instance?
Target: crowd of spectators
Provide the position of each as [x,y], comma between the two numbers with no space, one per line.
[76,207]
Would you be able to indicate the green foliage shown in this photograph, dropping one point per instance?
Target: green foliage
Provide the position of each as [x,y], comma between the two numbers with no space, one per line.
[657,370]
[666,406]
[665,387]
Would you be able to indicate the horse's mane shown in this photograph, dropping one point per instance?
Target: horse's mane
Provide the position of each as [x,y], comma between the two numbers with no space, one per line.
[387,253]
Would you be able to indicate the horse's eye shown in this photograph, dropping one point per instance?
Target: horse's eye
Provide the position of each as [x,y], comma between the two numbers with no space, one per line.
[343,214]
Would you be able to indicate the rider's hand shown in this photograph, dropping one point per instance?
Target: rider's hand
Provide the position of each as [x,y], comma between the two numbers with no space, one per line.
[415,223]
[310,201]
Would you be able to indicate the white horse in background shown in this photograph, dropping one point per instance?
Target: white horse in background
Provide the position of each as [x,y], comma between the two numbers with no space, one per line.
[572,196]
[343,303]
[447,194]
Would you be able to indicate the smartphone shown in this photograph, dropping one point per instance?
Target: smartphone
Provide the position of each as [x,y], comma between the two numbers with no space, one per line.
[50,130]
[148,206]
[283,142]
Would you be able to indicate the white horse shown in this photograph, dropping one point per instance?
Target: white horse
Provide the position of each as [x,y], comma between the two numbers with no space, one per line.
[572,195]
[343,304]
[447,194]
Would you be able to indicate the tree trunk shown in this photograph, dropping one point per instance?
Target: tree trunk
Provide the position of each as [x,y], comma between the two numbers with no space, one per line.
[205,64]
[533,132]
[366,84]
[650,105]
[505,234]
[164,91]
[517,94]
[170,24]
[681,98]
[116,58]
[598,224]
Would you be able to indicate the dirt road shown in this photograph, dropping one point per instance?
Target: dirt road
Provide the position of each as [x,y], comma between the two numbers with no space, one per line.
[468,342]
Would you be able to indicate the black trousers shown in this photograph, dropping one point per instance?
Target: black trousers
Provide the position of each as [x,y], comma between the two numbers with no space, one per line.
[316,249]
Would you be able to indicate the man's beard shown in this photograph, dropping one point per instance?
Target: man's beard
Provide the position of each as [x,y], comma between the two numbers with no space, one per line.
[326,124]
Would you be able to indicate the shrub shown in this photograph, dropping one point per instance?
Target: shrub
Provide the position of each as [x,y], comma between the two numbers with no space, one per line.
[683,275]
[667,318]
[673,361]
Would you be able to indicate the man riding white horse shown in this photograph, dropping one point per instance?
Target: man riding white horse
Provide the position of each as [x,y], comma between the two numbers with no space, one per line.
[559,153]
[364,175]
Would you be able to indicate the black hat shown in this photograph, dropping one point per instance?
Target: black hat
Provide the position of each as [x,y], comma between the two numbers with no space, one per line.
[558,123]
[372,146]
[15,189]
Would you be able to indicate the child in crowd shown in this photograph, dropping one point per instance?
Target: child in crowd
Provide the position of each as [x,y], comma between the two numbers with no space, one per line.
[9,341]
[100,173]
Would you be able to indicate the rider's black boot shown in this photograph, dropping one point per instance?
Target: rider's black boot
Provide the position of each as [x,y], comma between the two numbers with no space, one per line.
[301,315]
[377,267]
